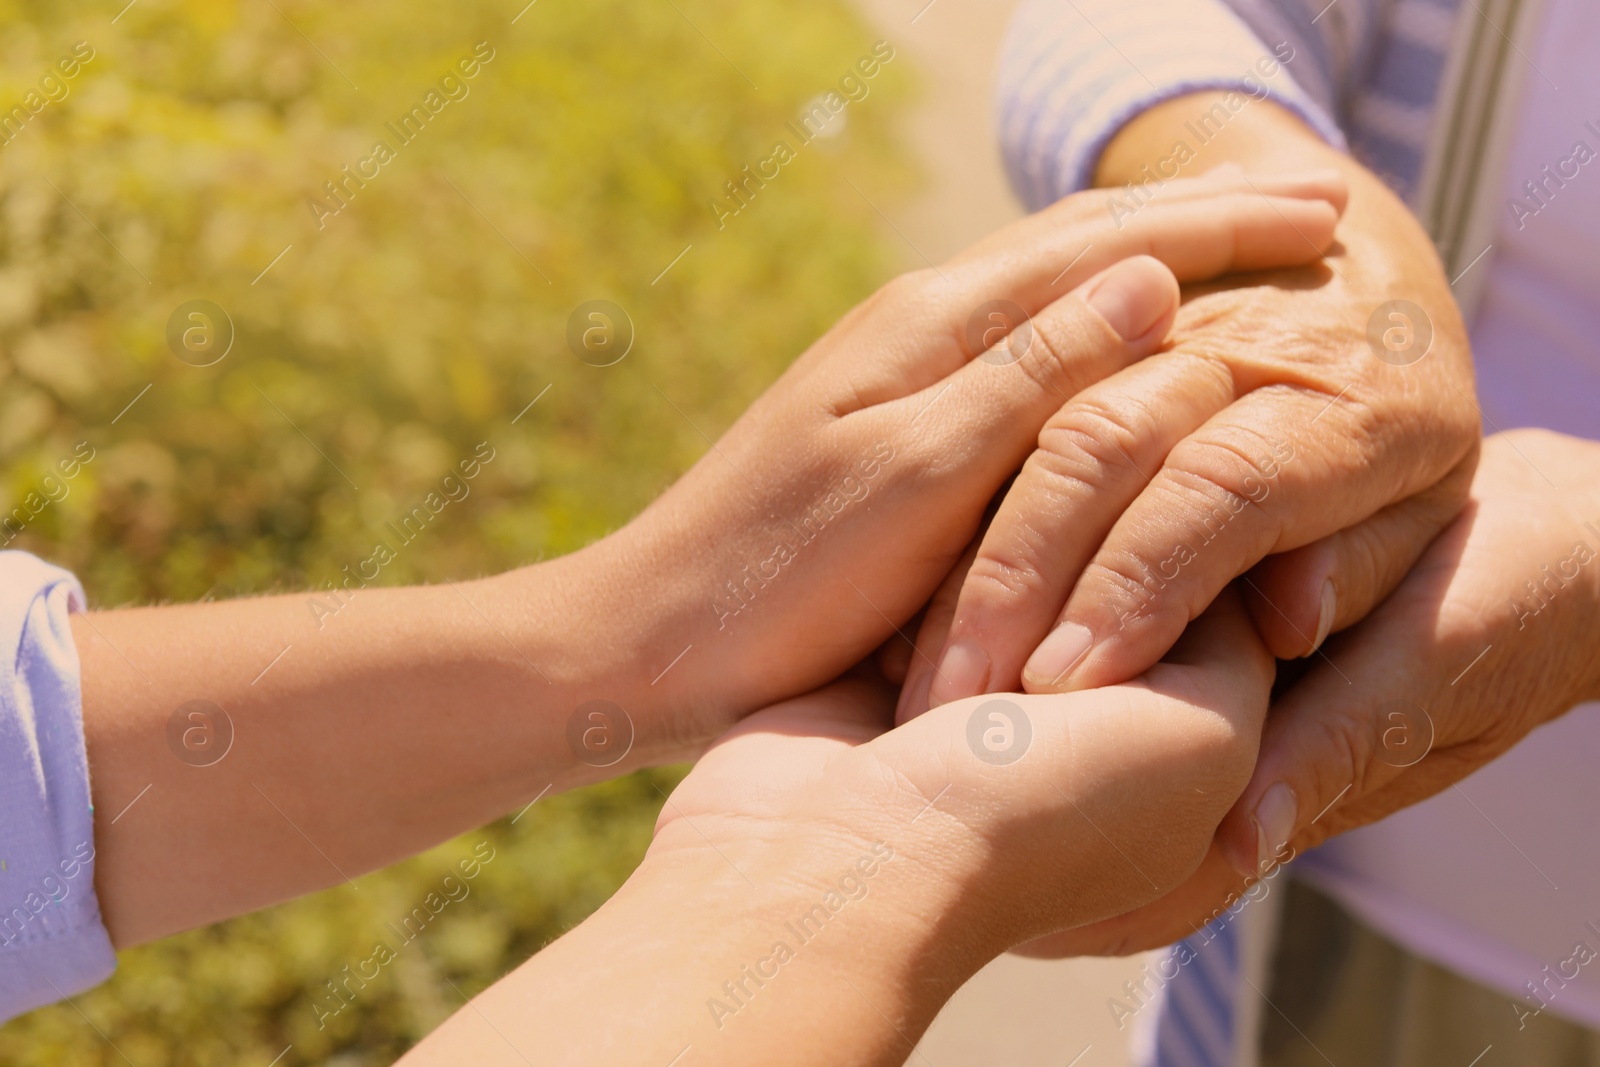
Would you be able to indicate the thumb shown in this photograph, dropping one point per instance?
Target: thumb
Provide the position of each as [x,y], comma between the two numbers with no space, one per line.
[1005,395]
[1298,598]
[1331,759]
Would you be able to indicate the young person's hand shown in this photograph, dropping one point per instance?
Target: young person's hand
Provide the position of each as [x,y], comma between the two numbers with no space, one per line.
[824,518]
[384,720]
[1292,407]
[1491,635]
[818,887]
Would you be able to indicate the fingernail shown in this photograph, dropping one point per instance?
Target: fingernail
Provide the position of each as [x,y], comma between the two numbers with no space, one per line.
[914,698]
[1276,812]
[1330,604]
[963,672]
[1057,654]
[1132,296]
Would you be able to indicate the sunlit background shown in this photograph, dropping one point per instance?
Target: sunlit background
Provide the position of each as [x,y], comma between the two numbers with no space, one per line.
[366,356]
[374,346]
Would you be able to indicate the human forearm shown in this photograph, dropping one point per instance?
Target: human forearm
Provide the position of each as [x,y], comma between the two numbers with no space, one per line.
[1291,409]
[818,887]
[1377,227]
[357,737]
[1260,136]
[689,956]
[760,574]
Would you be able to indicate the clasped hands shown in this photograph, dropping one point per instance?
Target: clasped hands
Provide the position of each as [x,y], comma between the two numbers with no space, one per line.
[1261,460]
[1266,461]
[971,624]
[1114,512]
[1051,597]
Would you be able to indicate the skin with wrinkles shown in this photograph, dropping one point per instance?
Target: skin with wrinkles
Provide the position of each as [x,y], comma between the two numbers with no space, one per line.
[1535,503]
[814,527]
[1268,428]
[1332,737]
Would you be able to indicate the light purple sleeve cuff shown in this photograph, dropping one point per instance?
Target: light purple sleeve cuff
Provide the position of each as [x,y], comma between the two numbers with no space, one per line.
[1072,74]
[52,941]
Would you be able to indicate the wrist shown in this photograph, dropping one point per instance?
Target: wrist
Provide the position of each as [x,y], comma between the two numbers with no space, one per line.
[1383,250]
[1262,136]
[707,956]
[631,621]
[690,612]
[848,931]
[587,629]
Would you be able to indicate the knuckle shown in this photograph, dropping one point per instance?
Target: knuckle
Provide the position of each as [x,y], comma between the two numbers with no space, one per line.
[1377,556]
[1365,423]
[1003,579]
[1371,566]
[1347,742]
[1212,323]
[1122,585]
[1082,453]
[1397,442]
[1062,476]
[1009,569]
[1091,441]
[1498,732]
[1086,206]
[907,292]
[1463,422]
[1061,348]
[1228,467]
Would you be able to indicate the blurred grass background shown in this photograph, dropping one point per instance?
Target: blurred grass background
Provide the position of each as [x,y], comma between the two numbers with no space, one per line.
[375,353]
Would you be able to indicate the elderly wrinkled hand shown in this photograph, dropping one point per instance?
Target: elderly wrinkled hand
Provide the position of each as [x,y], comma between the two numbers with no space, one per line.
[1296,414]
[825,517]
[1488,637]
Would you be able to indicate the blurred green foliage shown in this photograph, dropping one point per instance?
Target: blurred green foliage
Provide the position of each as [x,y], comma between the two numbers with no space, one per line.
[416,322]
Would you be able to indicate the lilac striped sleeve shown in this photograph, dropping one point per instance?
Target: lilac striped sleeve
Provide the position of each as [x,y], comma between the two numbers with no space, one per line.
[1073,72]
[52,942]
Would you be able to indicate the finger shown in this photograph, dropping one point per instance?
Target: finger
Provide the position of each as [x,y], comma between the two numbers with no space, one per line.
[1136,777]
[1322,750]
[1219,661]
[1093,458]
[1228,233]
[1199,237]
[1184,912]
[1368,726]
[1300,597]
[930,639]
[1119,209]
[1327,184]
[931,322]
[1196,744]
[986,416]
[1250,483]
[1217,679]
